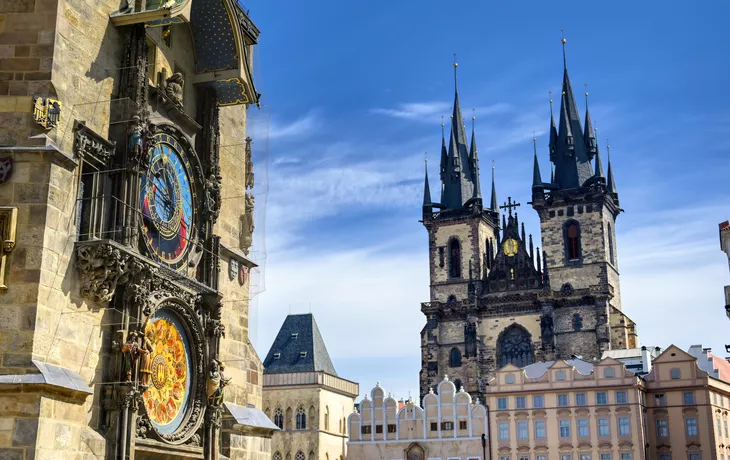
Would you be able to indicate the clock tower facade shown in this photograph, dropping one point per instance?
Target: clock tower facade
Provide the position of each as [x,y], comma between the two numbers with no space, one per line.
[496,298]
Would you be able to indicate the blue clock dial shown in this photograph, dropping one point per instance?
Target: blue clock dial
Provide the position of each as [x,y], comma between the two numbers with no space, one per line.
[167,200]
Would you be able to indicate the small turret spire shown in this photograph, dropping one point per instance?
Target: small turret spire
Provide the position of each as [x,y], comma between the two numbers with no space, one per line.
[532,252]
[444,155]
[553,133]
[426,188]
[588,135]
[599,165]
[474,159]
[493,203]
[522,235]
[611,184]
[536,176]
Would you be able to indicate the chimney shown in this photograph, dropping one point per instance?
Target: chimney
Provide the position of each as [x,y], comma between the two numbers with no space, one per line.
[645,360]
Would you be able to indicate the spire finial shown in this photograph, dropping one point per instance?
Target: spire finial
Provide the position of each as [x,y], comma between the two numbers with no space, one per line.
[585,85]
[551,102]
[473,117]
[565,61]
[442,126]
[456,86]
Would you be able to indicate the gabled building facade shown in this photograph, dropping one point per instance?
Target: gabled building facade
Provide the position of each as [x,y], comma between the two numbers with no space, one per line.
[304,396]
[495,297]
[448,426]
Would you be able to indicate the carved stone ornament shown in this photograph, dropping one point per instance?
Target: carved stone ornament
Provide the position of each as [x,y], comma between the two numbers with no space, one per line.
[6,169]
[233,268]
[102,267]
[174,88]
[46,111]
[249,165]
[8,227]
[88,143]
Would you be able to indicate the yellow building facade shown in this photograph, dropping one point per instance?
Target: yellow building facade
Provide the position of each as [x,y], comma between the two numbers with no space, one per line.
[304,396]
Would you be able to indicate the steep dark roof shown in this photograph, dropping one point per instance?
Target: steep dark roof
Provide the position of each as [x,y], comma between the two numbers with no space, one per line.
[289,348]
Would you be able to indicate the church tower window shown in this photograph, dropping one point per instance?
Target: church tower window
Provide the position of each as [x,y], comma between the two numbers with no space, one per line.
[455,359]
[279,418]
[514,346]
[577,322]
[454,259]
[572,240]
[301,419]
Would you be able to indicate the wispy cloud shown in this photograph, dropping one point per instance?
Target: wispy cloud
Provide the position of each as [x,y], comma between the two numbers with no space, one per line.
[429,111]
[264,128]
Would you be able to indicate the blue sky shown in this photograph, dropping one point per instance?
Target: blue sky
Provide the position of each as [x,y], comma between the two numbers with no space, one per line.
[353,94]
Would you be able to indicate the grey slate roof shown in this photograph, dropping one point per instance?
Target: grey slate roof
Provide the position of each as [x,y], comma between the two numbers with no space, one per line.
[290,348]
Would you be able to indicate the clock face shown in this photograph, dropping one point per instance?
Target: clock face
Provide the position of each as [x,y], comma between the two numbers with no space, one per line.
[510,246]
[167,200]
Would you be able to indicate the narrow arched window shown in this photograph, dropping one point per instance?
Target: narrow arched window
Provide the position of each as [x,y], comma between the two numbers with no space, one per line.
[454,259]
[610,245]
[300,456]
[288,420]
[577,322]
[455,358]
[301,419]
[279,418]
[326,418]
[277,456]
[572,240]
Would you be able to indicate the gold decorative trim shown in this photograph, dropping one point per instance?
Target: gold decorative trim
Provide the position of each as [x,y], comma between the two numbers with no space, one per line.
[8,227]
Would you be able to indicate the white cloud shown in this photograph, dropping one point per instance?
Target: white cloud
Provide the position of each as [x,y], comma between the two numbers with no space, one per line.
[430,111]
[264,127]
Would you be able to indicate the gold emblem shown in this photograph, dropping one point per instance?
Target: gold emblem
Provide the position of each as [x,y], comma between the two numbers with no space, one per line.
[46,111]
[510,247]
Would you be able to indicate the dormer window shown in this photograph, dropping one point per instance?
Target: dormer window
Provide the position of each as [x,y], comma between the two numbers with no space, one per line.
[303,354]
[277,355]
[294,335]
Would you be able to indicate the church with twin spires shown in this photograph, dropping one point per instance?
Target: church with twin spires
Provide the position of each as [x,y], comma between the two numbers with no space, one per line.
[495,297]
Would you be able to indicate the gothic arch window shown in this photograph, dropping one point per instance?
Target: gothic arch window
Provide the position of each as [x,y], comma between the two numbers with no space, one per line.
[452,298]
[301,420]
[279,418]
[300,456]
[571,235]
[277,456]
[454,258]
[610,245]
[577,322]
[514,346]
[312,417]
[288,456]
[455,357]
[457,384]
[326,418]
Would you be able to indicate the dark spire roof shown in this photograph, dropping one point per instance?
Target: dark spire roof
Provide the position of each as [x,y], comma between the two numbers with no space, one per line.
[553,135]
[588,134]
[572,160]
[493,203]
[458,185]
[444,157]
[426,189]
[474,162]
[599,166]
[299,347]
[610,184]
[536,177]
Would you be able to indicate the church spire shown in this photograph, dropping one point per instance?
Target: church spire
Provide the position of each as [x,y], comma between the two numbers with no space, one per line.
[599,165]
[553,134]
[444,157]
[590,139]
[536,177]
[458,184]
[474,160]
[493,202]
[426,188]
[611,184]
[572,161]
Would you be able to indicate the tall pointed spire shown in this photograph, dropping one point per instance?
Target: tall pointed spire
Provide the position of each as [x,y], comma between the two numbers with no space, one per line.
[444,158]
[493,202]
[572,160]
[588,136]
[458,185]
[610,184]
[536,177]
[474,160]
[426,188]
[599,165]
[553,133]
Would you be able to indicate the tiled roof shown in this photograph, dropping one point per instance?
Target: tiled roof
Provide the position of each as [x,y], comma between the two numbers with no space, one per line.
[298,347]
